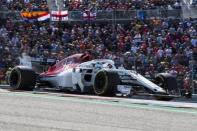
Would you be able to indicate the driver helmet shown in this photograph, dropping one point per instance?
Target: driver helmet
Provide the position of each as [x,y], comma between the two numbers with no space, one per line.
[107,65]
[98,65]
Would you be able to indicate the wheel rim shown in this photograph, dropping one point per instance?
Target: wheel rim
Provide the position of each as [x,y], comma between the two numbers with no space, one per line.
[100,83]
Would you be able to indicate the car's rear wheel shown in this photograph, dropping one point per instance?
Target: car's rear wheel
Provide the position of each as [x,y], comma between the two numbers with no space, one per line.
[22,78]
[105,83]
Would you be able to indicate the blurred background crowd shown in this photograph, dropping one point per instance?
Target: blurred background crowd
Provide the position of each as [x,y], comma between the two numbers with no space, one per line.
[156,44]
[73,5]
[120,4]
[24,5]
[147,45]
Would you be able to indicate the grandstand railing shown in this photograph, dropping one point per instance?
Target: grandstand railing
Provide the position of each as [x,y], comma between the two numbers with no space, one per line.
[113,15]
[127,14]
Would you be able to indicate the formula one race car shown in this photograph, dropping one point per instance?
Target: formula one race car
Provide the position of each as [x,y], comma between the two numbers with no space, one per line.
[78,73]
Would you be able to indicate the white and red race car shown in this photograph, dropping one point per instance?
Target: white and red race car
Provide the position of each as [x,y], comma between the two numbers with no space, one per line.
[78,73]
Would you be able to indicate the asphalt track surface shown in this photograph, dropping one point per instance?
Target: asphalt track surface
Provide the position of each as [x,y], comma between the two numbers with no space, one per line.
[48,111]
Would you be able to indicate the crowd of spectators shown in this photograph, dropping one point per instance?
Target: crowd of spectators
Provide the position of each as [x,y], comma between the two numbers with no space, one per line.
[25,5]
[150,45]
[81,5]
[120,4]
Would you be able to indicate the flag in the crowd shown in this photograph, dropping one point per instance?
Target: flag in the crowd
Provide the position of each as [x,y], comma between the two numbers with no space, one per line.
[44,17]
[89,15]
[59,15]
[36,15]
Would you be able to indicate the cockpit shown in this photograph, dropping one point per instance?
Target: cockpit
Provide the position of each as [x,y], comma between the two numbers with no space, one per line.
[99,64]
[71,60]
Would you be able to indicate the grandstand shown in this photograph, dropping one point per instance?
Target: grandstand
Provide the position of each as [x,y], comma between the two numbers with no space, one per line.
[148,35]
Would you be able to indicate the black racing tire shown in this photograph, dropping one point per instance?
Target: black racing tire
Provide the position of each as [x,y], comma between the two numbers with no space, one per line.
[22,78]
[105,83]
[166,81]
[169,83]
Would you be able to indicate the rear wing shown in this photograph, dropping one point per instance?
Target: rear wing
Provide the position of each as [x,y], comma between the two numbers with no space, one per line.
[43,61]
[42,64]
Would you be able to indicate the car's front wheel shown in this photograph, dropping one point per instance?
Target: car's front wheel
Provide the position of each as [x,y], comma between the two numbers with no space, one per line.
[169,84]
